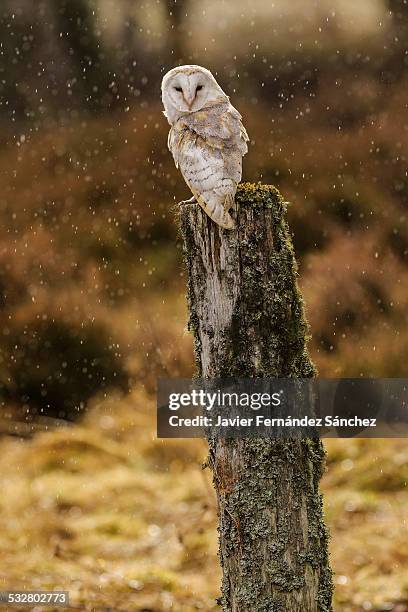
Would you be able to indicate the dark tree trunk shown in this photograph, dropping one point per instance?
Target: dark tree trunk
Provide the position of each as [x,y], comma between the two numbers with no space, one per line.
[176,10]
[246,313]
[396,54]
[92,64]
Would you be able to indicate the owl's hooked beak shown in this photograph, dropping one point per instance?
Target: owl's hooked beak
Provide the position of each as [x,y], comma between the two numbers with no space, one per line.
[190,101]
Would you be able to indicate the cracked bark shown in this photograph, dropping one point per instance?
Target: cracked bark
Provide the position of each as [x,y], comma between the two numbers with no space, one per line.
[246,314]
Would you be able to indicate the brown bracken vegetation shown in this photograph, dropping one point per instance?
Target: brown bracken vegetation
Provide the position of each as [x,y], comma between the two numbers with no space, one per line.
[92,299]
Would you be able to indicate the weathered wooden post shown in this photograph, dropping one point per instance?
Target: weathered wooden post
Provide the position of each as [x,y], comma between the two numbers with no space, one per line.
[246,314]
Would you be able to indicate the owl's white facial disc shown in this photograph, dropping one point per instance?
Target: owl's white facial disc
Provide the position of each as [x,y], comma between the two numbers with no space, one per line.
[188,89]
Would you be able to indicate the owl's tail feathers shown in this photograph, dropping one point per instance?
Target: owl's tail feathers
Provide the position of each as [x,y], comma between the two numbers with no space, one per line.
[217,211]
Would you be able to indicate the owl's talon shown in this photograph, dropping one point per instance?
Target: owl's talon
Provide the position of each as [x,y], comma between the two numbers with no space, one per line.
[190,201]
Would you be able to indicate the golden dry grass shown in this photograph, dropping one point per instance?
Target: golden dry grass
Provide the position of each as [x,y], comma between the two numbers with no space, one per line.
[128,522]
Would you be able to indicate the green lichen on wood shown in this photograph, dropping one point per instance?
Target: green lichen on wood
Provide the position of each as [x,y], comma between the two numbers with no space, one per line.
[277,304]
[261,544]
[264,491]
[272,299]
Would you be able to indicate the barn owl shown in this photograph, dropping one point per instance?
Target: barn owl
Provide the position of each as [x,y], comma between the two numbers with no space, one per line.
[206,138]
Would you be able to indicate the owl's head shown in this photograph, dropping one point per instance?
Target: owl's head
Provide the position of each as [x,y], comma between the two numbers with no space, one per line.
[188,89]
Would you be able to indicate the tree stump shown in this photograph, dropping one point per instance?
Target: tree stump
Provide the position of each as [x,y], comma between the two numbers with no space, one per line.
[246,314]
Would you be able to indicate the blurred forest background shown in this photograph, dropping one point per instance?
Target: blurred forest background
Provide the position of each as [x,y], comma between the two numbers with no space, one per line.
[92,306]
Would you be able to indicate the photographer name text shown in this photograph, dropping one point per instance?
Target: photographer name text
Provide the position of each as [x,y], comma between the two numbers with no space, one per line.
[261,421]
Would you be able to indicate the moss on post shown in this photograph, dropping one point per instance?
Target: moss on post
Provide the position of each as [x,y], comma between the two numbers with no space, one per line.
[246,313]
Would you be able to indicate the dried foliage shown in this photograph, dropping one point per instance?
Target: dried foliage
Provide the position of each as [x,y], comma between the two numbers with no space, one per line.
[92,305]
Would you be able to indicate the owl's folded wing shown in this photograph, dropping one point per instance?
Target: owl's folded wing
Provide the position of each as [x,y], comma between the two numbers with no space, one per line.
[220,126]
[205,168]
